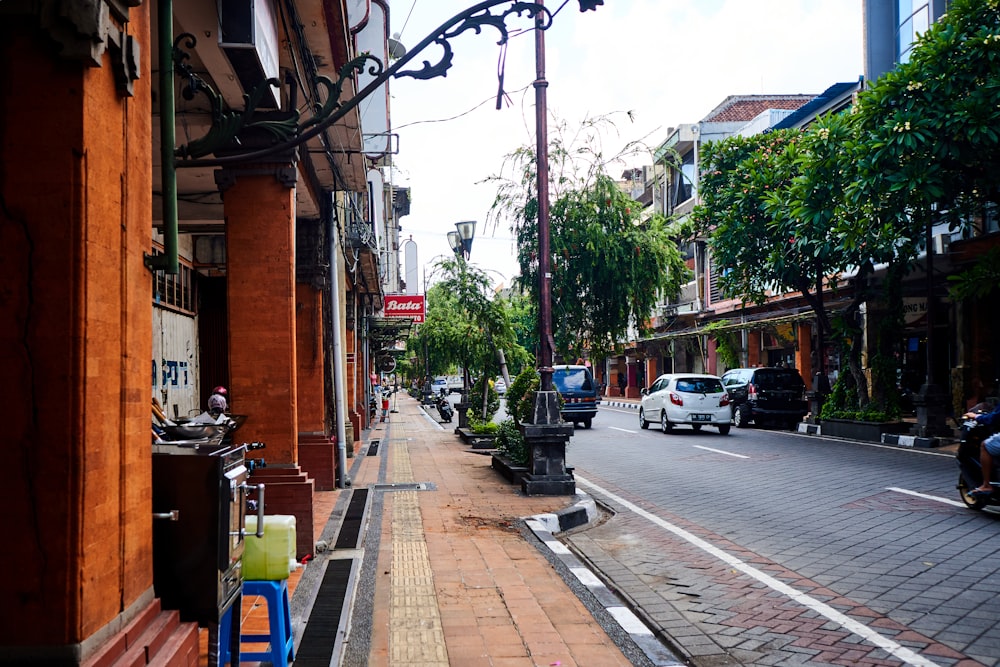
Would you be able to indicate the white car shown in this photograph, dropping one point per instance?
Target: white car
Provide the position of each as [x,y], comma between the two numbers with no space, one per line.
[500,387]
[440,386]
[686,398]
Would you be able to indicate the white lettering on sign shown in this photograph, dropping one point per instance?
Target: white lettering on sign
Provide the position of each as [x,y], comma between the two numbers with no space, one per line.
[405,305]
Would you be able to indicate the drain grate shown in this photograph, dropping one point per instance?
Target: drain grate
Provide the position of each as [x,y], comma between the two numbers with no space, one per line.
[320,634]
[405,486]
[373,448]
[350,528]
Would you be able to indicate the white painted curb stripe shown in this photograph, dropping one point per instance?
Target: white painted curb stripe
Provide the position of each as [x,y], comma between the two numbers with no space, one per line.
[629,621]
[848,623]
[586,577]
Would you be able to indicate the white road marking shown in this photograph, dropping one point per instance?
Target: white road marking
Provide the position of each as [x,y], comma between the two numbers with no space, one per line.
[623,430]
[898,650]
[924,495]
[719,451]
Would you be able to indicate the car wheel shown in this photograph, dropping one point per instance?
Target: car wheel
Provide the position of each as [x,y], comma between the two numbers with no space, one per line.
[642,419]
[972,502]
[586,423]
[742,415]
[665,424]
[723,429]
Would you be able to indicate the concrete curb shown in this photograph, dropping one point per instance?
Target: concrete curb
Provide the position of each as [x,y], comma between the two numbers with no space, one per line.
[809,429]
[625,618]
[581,512]
[909,441]
[892,439]
[620,404]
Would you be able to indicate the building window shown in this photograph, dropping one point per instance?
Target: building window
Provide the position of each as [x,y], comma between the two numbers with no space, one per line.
[684,180]
[175,292]
[913,19]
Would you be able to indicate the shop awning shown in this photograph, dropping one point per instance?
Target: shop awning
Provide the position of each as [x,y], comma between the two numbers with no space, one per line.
[385,332]
[748,322]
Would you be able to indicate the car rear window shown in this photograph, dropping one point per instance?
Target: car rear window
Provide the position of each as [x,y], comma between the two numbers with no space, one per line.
[777,379]
[572,379]
[700,385]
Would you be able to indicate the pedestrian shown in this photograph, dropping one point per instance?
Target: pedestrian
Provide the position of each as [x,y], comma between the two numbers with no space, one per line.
[622,382]
[217,403]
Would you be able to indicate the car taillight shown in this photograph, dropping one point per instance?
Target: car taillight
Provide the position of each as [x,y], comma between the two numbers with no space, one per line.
[676,399]
[751,390]
[724,400]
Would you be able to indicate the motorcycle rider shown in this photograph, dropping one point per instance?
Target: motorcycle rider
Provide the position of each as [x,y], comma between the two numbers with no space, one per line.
[988,448]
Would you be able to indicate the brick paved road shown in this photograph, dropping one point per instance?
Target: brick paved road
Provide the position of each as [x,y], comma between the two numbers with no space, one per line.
[776,549]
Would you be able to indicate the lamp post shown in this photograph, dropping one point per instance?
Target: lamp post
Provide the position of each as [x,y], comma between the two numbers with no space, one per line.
[460,241]
[546,434]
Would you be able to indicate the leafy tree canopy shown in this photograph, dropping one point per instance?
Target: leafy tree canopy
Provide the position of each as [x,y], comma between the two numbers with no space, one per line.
[465,325]
[610,263]
[931,127]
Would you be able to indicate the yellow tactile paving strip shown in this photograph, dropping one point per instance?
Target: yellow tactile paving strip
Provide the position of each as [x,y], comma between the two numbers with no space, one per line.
[416,637]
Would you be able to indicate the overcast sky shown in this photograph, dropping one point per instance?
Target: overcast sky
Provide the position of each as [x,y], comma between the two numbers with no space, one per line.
[666,61]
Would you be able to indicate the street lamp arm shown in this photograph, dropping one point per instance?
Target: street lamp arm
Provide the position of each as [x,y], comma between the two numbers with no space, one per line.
[226,125]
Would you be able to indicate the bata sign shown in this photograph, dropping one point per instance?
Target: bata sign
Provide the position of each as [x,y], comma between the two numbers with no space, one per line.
[405,305]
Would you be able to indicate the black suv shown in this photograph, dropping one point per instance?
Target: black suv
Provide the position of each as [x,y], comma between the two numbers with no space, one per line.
[766,396]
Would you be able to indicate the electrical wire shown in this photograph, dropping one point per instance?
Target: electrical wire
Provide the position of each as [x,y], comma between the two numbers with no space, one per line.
[460,115]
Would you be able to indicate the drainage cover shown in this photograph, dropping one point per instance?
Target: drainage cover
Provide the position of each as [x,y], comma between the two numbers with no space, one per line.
[407,486]
[350,529]
[320,634]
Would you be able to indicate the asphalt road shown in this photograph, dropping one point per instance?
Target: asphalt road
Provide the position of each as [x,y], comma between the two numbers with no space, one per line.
[771,547]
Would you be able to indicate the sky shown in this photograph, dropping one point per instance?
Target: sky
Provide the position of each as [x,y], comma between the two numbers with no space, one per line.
[647,64]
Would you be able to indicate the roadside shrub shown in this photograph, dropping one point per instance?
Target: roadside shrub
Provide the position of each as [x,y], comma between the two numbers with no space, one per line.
[842,403]
[526,381]
[478,426]
[510,443]
[476,400]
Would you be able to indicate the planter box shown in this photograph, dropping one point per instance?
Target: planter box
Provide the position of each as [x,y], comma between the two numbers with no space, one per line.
[512,472]
[477,440]
[858,430]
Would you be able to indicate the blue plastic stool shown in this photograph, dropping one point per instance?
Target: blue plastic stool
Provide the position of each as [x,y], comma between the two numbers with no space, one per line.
[281,650]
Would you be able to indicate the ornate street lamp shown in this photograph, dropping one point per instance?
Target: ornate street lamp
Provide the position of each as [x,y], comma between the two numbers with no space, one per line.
[455,241]
[461,239]
[466,232]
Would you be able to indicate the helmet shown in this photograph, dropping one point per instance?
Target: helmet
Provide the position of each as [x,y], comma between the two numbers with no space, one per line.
[219,390]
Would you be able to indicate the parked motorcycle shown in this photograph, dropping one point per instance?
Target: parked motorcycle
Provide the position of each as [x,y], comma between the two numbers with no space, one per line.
[971,473]
[444,408]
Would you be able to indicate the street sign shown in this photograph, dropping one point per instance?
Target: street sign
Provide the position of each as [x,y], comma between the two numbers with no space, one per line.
[405,305]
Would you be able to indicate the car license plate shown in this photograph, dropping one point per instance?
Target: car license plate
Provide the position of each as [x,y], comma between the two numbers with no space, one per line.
[701,418]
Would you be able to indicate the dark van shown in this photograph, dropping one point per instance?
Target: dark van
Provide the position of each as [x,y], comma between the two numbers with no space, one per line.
[579,393]
[766,396]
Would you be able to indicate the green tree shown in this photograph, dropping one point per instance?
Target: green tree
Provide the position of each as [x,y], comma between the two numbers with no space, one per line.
[777,221]
[930,129]
[610,263]
[465,325]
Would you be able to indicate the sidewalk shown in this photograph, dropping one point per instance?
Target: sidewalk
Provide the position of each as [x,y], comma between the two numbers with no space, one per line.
[444,572]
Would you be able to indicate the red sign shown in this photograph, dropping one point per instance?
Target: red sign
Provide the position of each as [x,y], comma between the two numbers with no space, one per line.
[405,305]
